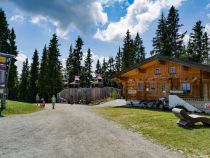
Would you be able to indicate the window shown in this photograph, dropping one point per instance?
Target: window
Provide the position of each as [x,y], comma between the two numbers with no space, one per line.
[152,87]
[140,86]
[186,87]
[172,70]
[157,71]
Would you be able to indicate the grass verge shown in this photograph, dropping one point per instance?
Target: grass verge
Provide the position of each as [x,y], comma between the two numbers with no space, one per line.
[161,127]
[14,107]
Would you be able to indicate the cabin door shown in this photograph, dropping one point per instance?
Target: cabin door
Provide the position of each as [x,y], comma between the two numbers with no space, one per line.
[175,84]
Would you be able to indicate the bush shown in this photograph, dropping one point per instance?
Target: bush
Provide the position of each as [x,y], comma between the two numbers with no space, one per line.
[115,95]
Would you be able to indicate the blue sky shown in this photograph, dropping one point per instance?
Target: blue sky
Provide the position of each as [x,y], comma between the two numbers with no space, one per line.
[101,23]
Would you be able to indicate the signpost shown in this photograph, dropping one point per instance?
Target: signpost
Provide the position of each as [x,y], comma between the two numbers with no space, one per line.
[5,61]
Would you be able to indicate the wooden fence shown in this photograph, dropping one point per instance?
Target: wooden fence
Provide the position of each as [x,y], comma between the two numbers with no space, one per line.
[87,95]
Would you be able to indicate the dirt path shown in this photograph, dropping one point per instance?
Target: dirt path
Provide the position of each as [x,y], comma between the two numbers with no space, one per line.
[72,131]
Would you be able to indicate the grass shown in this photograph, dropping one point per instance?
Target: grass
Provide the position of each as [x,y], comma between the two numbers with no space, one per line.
[14,107]
[161,127]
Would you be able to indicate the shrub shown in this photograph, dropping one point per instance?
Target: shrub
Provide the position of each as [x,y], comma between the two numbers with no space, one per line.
[115,95]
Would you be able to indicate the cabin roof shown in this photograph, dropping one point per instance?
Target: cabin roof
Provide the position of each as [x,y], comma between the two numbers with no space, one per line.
[165,58]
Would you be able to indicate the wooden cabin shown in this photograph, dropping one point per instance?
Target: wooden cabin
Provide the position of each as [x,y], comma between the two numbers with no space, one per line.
[159,76]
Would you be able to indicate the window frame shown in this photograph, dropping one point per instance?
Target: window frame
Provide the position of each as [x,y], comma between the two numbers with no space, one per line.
[171,70]
[157,72]
[186,87]
[140,86]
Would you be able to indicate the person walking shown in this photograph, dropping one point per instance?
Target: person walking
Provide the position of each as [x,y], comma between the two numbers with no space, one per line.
[53,100]
[42,103]
[37,99]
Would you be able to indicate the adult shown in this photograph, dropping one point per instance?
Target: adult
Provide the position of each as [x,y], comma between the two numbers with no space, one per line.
[53,100]
[37,99]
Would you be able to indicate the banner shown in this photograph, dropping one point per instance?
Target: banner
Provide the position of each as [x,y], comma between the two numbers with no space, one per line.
[3,59]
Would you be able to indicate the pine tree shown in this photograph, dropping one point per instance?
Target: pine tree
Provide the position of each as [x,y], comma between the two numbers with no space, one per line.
[34,76]
[111,65]
[175,39]
[128,53]
[104,72]
[54,69]
[205,47]
[4,33]
[195,46]
[118,59]
[43,75]
[139,49]
[23,94]
[78,56]
[70,66]
[13,74]
[98,68]
[160,41]
[88,68]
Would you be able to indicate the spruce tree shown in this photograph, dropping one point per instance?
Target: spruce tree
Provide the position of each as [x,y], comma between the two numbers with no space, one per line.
[4,33]
[175,39]
[88,68]
[195,46]
[110,64]
[118,59]
[98,68]
[78,56]
[55,80]
[160,41]
[13,74]
[104,72]
[43,85]
[23,94]
[34,76]
[205,47]
[128,52]
[70,65]
[139,49]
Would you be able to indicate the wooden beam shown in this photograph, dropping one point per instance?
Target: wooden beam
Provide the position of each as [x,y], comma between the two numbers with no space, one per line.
[140,70]
[162,62]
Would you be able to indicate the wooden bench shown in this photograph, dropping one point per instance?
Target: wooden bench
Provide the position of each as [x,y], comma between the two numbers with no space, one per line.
[188,120]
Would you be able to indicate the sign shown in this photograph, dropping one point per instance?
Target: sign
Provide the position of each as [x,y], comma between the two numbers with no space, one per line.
[131,91]
[77,78]
[3,67]
[3,59]
[176,91]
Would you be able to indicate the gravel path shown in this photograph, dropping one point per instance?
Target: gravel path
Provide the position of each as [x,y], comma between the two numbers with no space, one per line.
[72,131]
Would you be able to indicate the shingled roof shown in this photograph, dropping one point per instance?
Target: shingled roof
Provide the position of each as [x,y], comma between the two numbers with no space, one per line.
[166,58]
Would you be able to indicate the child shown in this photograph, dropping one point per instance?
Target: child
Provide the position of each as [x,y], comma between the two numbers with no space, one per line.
[42,103]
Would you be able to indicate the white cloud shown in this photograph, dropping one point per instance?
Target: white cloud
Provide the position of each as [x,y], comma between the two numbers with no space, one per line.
[98,15]
[17,18]
[208,6]
[38,19]
[186,39]
[64,15]
[19,63]
[138,18]
[95,58]
[207,28]
[208,15]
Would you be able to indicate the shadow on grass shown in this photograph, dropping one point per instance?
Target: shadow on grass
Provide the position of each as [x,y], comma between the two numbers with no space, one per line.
[136,107]
[194,127]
